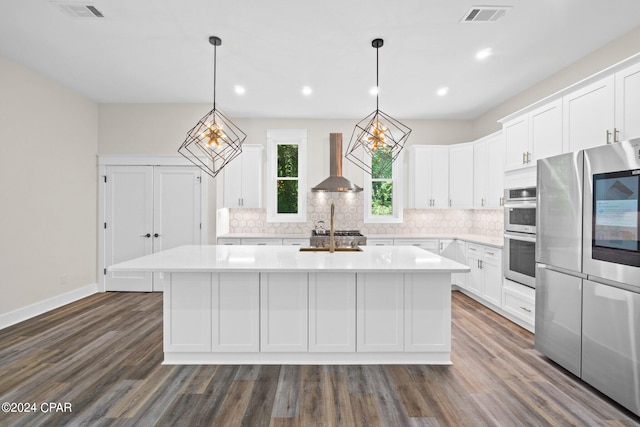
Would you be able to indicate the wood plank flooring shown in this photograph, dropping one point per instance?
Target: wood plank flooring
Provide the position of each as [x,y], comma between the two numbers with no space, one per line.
[103,356]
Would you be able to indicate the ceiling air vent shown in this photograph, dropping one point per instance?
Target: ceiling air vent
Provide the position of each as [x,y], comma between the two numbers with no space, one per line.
[78,9]
[485,13]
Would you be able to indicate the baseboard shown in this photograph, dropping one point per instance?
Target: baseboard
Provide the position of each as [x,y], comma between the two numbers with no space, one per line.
[41,307]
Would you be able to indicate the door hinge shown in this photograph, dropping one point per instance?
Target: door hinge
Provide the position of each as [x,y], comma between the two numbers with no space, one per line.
[200,226]
[105,225]
[105,271]
[105,178]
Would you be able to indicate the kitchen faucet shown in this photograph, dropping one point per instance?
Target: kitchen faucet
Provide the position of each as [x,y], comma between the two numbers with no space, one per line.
[332,240]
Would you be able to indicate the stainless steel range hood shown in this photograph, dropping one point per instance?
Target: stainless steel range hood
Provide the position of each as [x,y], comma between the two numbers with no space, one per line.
[336,182]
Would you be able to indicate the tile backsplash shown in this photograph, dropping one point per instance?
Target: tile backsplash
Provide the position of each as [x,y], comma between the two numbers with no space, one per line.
[349,215]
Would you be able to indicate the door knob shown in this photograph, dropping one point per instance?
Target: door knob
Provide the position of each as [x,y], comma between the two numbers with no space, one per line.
[146,235]
[156,235]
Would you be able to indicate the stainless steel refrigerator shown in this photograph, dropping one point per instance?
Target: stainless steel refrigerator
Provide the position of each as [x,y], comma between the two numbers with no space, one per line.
[588,267]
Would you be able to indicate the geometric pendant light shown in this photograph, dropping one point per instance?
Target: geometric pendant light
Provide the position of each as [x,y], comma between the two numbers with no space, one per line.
[215,140]
[377,139]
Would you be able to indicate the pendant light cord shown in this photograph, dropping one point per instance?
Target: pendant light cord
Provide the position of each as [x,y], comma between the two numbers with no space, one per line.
[215,50]
[377,74]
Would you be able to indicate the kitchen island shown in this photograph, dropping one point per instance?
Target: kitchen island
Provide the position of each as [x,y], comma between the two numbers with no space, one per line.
[281,305]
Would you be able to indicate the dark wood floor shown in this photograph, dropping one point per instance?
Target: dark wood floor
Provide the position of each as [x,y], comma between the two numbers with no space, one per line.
[103,356]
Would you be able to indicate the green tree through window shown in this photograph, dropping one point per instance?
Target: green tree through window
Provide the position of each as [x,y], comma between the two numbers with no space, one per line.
[287,184]
[381,183]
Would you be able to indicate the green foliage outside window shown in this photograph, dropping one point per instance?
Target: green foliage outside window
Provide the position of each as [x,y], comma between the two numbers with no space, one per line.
[287,187]
[381,183]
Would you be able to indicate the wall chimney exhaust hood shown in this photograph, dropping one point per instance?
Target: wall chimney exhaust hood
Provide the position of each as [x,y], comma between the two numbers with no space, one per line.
[336,182]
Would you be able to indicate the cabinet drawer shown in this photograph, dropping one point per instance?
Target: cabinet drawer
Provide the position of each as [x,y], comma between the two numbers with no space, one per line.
[296,242]
[262,242]
[519,305]
[228,241]
[472,248]
[489,253]
[429,245]
[379,242]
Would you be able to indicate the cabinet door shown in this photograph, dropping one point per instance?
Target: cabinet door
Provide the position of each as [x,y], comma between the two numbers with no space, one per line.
[251,176]
[128,224]
[283,312]
[589,115]
[427,312]
[474,278]
[332,314]
[492,275]
[232,193]
[461,176]
[495,173]
[480,169]
[628,103]
[440,177]
[545,131]
[379,308]
[419,177]
[516,140]
[235,302]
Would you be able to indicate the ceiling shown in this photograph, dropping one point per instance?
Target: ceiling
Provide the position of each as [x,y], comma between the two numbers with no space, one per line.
[157,51]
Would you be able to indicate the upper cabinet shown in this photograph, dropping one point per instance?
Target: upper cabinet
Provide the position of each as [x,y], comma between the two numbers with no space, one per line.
[428,176]
[488,179]
[533,135]
[461,176]
[627,110]
[589,115]
[243,179]
[602,109]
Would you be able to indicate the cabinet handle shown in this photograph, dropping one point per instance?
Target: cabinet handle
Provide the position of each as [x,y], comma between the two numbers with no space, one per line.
[146,235]
[501,201]
[528,310]
[608,136]
[482,203]
[616,132]
[523,158]
[441,245]
[490,253]
[449,202]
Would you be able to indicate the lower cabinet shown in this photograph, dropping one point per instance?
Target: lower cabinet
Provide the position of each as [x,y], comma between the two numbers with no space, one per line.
[332,318]
[485,278]
[456,250]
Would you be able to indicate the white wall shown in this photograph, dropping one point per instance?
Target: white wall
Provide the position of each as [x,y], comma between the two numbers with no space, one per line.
[608,55]
[48,146]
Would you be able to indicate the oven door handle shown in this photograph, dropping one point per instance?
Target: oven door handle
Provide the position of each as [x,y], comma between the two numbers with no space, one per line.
[521,236]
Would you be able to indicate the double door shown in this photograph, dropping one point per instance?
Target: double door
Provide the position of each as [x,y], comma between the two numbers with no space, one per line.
[148,209]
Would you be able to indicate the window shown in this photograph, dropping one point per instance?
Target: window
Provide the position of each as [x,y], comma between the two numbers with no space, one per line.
[383,189]
[286,200]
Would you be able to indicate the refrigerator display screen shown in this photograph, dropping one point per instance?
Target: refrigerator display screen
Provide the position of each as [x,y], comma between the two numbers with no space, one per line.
[615,217]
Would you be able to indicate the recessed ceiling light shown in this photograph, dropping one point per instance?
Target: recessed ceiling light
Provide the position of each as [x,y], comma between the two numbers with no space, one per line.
[306,90]
[484,53]
[374,91]
[442,91]
[240,90]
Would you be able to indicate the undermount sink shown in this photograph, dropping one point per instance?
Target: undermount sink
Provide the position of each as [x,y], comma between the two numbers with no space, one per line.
[325,249]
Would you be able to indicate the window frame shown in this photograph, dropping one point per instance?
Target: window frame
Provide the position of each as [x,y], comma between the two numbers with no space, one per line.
[397,198]
[277,137]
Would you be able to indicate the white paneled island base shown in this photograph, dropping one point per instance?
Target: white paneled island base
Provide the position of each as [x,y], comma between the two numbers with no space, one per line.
[277,305]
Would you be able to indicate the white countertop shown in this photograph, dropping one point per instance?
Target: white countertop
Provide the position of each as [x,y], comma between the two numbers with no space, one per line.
[494,241]
[243,258]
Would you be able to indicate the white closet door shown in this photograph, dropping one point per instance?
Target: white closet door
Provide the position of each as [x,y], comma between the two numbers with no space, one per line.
[129,224]
[176,207]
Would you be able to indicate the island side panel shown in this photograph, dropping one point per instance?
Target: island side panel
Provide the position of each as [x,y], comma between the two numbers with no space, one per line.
[380,302]
[187,313]
[427,312]
[236,312]
[332,312]
[284,312]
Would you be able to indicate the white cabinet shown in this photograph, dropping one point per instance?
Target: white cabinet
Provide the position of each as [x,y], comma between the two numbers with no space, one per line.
[456,250]
[488,156]
[243,179]
[519,301]
[589,115]
[235,319]
[430,245]
[284,312]
[296,242]
[428,177]
[229,241]
[627,109]
[147,209]
[485,279]
[461,176]
[380,314]
[261,241]
[426,326]
[534,135]
[332,314]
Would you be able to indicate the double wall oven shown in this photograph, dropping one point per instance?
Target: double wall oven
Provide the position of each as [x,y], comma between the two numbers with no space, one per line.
[520,235]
